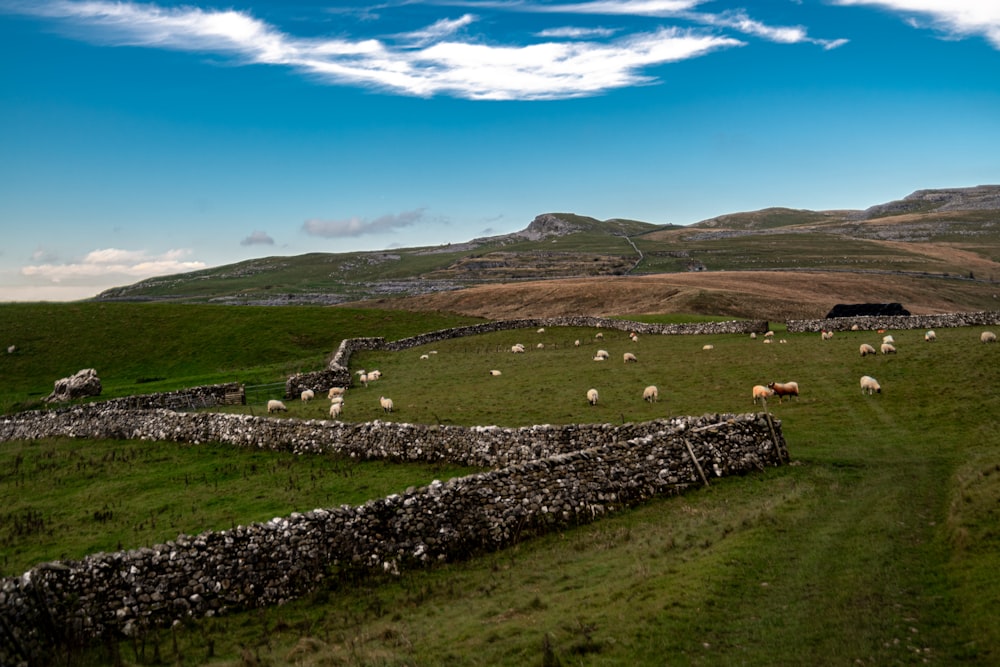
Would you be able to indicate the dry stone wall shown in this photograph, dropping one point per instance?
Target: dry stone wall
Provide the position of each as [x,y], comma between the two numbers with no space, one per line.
[542,478]
[901,322]
[337,374]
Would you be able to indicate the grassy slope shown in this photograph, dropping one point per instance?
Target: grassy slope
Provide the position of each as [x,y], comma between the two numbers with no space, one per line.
[878,546]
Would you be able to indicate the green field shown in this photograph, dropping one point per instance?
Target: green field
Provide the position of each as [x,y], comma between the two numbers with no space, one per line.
[877,545]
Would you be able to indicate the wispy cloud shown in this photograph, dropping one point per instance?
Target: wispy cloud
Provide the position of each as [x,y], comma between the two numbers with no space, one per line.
[955,18]
[359,226]
[570,32]
[435,60]
[258,238]
[113,261]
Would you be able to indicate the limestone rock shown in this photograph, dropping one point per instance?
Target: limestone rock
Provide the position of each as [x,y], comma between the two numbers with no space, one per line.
[84,383]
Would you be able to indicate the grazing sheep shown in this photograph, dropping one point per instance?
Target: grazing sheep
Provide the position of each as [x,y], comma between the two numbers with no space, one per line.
[988,337]
[335,391]
[495,372]
[888,339]
[599,358]
[541,346]
[782,341]
[634,336]
[651,394]
[307,395]
[337,399]
[628,357]
[427,356]
[374,375]
[769,334]
[826,335]
[870,385]
[592,396]
[603,354]
[708,347]
[363,379]
[855,327]
[541,330]
[11,349]
[517,348]
[335,410]
[275,406]
[576,343]
[930,336]
[761,393]
[599,336]
[887,348]
[753,335]
[768,340]
[866,349]
[386,403]
[782,389]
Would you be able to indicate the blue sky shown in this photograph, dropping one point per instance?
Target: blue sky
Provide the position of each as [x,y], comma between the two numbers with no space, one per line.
[141,139]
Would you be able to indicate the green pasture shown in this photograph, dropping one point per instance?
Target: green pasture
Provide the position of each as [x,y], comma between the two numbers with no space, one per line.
[877,544]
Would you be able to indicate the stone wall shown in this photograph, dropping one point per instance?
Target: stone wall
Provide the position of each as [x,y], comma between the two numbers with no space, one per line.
[542,478]
[898,323]
[337,374]
[207,396]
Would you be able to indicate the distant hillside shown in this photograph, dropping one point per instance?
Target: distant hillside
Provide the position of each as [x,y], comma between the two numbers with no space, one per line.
[951,234]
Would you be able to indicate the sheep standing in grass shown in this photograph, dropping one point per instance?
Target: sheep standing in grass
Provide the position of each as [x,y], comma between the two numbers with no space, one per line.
[761,393]
[335,391]
[988,337]
[870,385]
[517,348]
[592,396]
[307,395]
[386,403]
[628,357]
[930,336]
[866,349]
[335,410]
[275,406]
[887,348]
[782,389]
[651,394]
[826,335]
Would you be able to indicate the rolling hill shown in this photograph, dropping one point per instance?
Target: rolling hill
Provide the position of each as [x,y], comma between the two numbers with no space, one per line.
[933,251]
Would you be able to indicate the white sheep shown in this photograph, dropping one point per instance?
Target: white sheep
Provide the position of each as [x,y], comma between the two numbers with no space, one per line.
[386,403]
[592,396]
[541,346]
[576,343]
[541,330]
[599,336]
[275,405]
[374,375]
[753,335]
[599,358]
[307,395]
[826,335]
[11,349]
[425,356]
[335,410]
[888,339]
[335,391]
[602,353]
[855,327]
[930,336]
[634,336]
[866,349]
[337,399]
[495,372]
[768,340]
[628,357]
[988,337]
[870,385]
[517,348]
[708,347]
[651,394]
[761,393]
[887,348]
[769,334]
[363,379]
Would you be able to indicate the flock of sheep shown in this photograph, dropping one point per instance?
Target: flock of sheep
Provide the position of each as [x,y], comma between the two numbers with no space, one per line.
[760,393]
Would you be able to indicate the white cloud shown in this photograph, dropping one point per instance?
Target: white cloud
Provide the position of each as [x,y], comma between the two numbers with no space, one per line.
[358,226]
[569,32]
[956,18]
[135,264]
[258,238]
[739,21]
[440,64]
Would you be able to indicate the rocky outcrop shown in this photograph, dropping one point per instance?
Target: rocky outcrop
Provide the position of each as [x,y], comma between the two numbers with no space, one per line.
[84,383]
[978,198]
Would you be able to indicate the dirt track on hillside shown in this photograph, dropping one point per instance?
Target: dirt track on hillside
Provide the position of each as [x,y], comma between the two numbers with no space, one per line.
[772,295]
